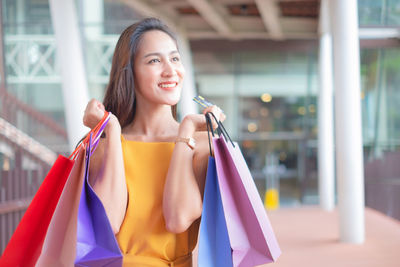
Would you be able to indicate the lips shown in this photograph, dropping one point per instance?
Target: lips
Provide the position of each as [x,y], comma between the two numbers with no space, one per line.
[168,85]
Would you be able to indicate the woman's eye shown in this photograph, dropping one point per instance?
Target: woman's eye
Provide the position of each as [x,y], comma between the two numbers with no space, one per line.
[175,59]
[154,60]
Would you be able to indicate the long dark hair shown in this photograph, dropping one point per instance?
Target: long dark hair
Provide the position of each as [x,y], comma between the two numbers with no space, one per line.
[120,98]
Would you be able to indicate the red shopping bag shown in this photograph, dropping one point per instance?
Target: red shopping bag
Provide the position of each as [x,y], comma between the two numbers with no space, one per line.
[26,243]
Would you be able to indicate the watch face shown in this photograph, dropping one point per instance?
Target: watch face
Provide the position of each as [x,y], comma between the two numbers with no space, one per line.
[192,142]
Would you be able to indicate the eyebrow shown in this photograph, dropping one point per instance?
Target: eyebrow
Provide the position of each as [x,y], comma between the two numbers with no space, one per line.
[159,54]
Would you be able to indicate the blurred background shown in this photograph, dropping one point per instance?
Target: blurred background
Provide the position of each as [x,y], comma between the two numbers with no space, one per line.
[257,60]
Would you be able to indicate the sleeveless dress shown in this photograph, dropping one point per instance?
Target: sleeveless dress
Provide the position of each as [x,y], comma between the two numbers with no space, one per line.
[143,237]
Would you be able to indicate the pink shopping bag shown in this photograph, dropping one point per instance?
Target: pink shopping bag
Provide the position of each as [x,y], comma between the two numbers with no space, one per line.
[59,247]
[251,236]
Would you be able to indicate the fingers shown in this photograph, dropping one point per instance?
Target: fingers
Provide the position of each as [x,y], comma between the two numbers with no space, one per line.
[197,122]
[217,113]
[215,110]
[94,112]
[222,117]
[100,106]
[97,108]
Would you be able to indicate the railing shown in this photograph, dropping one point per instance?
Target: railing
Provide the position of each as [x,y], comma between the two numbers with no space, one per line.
[99,53]
[382,183]
[32,59]
[33,122]
[23,165]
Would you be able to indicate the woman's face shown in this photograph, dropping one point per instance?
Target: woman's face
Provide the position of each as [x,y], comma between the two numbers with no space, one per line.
[158,71]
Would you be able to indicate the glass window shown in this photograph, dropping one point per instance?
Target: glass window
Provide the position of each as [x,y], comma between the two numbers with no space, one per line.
[380,93]
[32,71]
[379,13]
[270,99]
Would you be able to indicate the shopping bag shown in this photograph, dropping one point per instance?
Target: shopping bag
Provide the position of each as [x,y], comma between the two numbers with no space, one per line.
[251,236]
[250,233]
[25,245]
[214,247]
[96,245]
[59,247]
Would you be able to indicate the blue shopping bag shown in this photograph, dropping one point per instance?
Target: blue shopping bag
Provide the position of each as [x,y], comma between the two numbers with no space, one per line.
[214,246]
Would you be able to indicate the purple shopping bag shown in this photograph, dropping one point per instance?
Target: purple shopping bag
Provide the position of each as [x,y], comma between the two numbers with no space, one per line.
[96,244]
[251,236]
[59,245]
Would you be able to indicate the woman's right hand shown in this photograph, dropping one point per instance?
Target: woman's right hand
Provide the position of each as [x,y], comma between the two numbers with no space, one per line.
[94,112]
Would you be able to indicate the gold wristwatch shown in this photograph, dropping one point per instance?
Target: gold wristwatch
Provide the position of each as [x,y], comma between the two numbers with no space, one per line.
[189,141]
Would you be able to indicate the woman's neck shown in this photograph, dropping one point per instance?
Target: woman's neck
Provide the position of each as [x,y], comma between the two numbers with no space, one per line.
[152,121]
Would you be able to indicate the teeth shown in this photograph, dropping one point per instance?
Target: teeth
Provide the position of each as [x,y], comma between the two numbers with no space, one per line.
[169,85]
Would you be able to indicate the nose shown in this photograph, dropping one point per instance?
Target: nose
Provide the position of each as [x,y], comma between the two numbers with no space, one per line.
[168,70]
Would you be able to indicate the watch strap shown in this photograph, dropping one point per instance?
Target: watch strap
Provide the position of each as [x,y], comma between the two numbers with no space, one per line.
[189,141]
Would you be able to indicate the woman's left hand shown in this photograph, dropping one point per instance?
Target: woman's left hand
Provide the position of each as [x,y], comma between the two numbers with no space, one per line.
[197,122]
[217,113]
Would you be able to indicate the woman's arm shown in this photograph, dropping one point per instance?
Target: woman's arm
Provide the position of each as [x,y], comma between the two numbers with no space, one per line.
[184,186]
[106,171]
[182,200]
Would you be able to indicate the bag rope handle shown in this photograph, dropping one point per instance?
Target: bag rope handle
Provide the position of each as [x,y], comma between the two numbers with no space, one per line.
[209,129]
[221,129]
[96,131]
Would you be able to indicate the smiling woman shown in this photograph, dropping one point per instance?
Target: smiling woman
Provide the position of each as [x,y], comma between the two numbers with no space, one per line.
[146,171]
[158,69]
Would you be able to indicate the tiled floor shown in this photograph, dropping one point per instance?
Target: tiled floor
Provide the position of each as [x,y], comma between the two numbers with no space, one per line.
[309,237]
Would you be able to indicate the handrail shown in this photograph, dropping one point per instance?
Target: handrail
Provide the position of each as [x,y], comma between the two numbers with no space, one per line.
[14,205]
[26,143]
[9,99]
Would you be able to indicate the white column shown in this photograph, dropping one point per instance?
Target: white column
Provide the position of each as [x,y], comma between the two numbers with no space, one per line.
[93,21]
[349,155]
[93,17]
[20,14]
[70,56]
[326,172]
[187,105]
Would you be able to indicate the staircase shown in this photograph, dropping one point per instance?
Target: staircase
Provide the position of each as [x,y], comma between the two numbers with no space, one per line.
[28,139]
[36,124]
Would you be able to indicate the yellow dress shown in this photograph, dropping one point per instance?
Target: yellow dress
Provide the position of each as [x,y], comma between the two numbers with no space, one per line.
[143,238]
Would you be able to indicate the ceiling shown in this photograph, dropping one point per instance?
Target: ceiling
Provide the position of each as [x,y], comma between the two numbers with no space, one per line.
[235,19]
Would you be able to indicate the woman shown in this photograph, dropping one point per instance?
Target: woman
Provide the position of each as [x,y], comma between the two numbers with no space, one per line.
[146,170]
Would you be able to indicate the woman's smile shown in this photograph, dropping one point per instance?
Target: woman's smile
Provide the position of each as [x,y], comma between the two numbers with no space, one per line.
[170,85]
